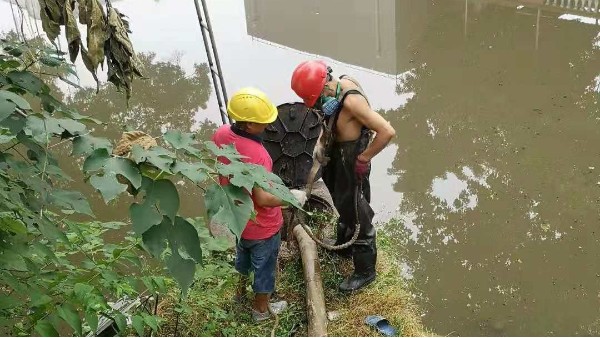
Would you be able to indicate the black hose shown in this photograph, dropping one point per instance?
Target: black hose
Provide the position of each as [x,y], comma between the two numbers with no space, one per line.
[357,192]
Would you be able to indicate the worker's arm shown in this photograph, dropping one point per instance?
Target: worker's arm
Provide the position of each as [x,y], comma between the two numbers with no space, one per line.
[265,199]
[360,110]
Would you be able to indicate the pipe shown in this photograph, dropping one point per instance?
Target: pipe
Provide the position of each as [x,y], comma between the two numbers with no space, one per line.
[315,299]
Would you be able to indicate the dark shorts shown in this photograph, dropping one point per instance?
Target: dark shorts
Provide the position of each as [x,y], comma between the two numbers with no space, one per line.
[259,256]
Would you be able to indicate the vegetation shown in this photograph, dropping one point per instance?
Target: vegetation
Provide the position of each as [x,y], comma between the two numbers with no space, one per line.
[61,270]
[211,311]
[57,274]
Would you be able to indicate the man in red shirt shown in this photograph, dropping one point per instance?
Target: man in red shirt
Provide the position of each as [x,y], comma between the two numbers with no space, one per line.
[258,247]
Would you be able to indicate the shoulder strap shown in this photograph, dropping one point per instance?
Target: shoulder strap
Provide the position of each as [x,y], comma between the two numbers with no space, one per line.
[332,120]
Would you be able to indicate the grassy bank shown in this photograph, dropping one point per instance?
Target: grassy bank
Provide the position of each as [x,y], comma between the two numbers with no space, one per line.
[210,310]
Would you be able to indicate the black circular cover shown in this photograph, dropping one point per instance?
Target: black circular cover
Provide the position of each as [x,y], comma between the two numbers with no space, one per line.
[290,141]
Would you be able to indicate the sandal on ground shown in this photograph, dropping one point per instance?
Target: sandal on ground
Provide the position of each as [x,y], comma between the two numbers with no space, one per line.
[382,325]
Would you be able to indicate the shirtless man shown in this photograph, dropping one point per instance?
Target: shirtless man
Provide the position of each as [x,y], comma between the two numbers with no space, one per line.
[346,174]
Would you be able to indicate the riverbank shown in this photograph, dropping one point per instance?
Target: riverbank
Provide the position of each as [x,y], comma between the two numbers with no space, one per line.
[209,309]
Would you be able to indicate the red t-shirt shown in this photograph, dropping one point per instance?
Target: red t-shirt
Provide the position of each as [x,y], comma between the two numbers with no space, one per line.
[268,220]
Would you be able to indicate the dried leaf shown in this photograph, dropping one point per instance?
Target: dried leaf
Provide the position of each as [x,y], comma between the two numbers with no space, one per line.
[51,27]
[89,65]
[96,33]
[56,10]
[82,6]
[122,62]
[119,30]
[73,35]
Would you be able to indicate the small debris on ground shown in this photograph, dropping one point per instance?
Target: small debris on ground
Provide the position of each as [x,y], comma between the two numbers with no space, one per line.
[332,316]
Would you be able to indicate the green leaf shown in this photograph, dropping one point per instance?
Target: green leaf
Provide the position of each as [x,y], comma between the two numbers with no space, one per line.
[181,269]
[217,244]
[112,225]
[70,200]
[96,160]
[273,184]
[14,123]
[195,172]
[121,322]
[227,151]
[6,136]
[239,174]
[6,109]
[73,127]
[229,205]
[82,291]
[155,238]
[9,302]
[165,193]
[144,216]
[9,223]
[185,235]
[11,260]
[160,284]
[138,324]
[151,321]
[157,156]
[185,141]
[108,185]
[86,144]
[40,300]
[44,251]
[51,61]
[111,166]
[125,167]
[28,81]
[161,198]
[92,320]
[69,314]
[45,328]
[49,230]
[41,129]
[16,99]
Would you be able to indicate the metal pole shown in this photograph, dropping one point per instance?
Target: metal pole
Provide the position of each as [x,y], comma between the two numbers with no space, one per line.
[466,16]
[203,28]
[212,40]
[537,29]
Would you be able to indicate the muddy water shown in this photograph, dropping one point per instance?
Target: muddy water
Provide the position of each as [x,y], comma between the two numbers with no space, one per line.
[493,181]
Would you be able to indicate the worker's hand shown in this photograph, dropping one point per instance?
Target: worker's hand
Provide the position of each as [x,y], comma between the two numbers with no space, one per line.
[361,168]
[300,196]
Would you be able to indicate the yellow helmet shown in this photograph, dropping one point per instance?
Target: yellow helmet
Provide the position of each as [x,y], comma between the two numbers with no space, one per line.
[251,105]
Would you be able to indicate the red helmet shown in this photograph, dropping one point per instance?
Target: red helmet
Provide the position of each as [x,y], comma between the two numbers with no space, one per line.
[308,80]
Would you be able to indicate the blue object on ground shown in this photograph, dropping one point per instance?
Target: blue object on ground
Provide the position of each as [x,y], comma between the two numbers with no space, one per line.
[382,325]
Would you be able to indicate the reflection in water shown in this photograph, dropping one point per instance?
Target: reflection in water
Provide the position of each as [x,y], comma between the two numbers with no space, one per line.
[168,98]
[369,34]
[499,200]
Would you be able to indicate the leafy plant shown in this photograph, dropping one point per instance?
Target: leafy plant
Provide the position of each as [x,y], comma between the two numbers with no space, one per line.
[55,270]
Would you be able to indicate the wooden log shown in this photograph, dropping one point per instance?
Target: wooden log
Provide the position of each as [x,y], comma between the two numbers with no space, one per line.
[315,299]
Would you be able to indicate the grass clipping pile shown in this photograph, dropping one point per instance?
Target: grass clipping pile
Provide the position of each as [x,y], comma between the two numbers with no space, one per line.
[107,37]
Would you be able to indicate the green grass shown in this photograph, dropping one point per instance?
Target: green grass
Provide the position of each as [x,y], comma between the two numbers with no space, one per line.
[210,310]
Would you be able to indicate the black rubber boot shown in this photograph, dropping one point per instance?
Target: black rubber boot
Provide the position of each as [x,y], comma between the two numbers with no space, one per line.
[364,271]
